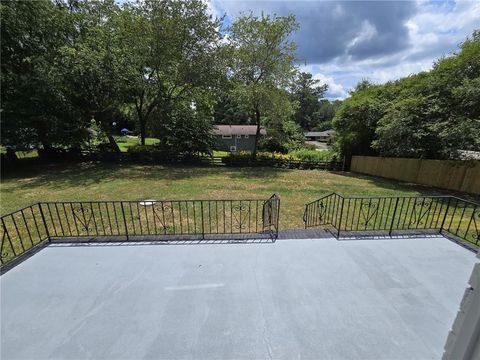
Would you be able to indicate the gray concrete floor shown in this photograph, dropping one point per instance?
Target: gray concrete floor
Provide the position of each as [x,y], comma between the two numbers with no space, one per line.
[311,299]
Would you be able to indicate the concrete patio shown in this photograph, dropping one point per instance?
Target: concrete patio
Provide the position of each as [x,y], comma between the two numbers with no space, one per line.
[302,298]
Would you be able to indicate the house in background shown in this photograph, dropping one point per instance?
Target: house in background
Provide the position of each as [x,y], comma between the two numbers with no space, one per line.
[322,136]
[236,137]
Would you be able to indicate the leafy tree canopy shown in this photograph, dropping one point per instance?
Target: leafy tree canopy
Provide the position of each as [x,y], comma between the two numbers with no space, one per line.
[261,64]
[432,114]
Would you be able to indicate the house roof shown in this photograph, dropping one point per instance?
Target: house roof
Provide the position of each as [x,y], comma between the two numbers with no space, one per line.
[319,133]
[237,130]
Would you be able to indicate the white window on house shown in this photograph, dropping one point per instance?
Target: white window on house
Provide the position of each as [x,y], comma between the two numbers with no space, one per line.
[239,136]
[226,136]
[233,148]
[246,136]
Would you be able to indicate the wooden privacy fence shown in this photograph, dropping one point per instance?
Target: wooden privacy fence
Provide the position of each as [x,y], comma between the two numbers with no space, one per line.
[461,176]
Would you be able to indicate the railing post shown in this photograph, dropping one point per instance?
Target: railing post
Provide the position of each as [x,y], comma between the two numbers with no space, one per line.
[277,220]
[305,215]
[124,219]
[340,221]
[9,240]
[201,211]
[44,222]
[393,217]
[445,216]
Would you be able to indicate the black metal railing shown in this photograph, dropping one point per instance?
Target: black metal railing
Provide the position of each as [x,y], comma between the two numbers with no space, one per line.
[22,230]
[449,214]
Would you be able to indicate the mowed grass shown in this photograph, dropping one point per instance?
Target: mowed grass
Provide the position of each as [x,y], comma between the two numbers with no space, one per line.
[92,181]
[125,142]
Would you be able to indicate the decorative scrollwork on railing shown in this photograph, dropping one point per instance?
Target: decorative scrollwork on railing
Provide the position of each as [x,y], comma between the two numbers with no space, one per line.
[474,224]
[4,256]
[84,216]
[321,212]
[420,211]
[240,214]
[368,211]
[163,212]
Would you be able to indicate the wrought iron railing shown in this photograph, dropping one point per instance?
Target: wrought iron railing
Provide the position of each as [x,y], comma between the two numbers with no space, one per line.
[26,228]
[449,214]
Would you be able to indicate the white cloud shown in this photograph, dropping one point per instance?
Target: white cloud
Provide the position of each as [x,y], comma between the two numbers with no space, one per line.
[367,32]
[335,90]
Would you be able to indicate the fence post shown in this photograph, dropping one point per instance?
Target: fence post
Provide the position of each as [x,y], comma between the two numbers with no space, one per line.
[201,211]
[343,165]
[44,222]
[445,216]
[340,221]
[124,219]
[393,217]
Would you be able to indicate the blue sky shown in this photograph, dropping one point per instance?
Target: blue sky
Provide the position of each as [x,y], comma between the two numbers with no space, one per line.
[342,42]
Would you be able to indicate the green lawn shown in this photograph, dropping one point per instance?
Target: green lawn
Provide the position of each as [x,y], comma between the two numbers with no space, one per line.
[220,153]
[125,142]
[22,154]
[91,181]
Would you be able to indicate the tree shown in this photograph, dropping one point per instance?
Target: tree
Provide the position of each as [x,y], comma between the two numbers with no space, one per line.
[187,129]
[262,66]
[324,115]
[172,49]
[433,114]
[307,92]
[228,111]
[403,131]
[92,66]
[35,110]
[356,120]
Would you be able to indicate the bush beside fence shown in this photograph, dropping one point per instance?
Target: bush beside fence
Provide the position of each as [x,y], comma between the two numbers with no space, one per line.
[152,158]
[284,163]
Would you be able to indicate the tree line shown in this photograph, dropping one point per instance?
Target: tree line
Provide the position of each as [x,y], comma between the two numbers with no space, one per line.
[74,72]
[433,114]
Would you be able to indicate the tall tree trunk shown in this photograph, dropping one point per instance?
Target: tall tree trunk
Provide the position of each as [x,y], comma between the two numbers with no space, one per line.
[105,117]
[11,154]
[142,128]
[113,143]
[257,136]
[141,118]
[48,151]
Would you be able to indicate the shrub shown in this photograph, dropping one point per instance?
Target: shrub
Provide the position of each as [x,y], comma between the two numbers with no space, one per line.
[142,149]
[309,146]
[313,155]
[300,154]
[264,155]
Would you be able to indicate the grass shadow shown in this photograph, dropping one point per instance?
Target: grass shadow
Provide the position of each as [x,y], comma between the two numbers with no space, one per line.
[88,173]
